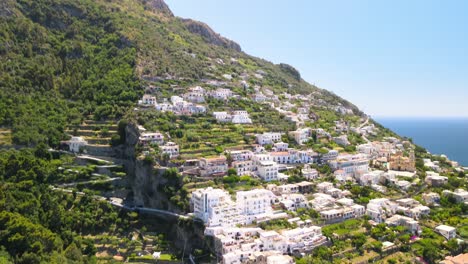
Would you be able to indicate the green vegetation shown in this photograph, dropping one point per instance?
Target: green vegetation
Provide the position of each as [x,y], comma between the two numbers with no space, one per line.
[54,70]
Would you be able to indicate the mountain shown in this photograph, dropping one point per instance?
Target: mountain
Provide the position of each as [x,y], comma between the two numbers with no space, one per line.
[64,60]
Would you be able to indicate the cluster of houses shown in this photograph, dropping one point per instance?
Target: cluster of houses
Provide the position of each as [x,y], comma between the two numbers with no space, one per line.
[258,162]
[235,117]
[227,219]
[254,245]
[177,105]
[148,139]
[224,218]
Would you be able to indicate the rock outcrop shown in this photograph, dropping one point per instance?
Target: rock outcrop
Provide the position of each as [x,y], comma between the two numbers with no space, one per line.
[209,35]
[6,8]
[159,6]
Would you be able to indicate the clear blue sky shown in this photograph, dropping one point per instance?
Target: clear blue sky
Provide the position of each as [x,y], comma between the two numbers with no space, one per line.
[391,58]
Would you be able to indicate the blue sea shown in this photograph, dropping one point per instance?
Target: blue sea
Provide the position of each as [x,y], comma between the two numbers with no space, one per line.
[447,136]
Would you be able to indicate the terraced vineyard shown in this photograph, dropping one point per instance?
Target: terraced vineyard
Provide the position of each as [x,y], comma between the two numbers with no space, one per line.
[97,133]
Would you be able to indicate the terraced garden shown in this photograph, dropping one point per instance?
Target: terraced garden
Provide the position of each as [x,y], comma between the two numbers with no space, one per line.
[97,133]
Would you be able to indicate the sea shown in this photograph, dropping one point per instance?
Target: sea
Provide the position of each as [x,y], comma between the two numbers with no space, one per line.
[447,136]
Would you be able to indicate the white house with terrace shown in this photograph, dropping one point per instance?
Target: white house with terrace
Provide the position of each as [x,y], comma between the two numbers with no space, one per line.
[235,117]
[353,165]
[380,209]
[221,94]
[148,100]
[171,149]
[268,138]
[151,138]
[267,170]
[255,203]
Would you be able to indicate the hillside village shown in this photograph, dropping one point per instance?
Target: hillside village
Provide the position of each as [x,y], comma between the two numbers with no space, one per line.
[131,135]
[305,179]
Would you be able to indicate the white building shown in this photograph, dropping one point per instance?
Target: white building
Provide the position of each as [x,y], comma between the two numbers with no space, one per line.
[399,220]
[323,187]
[222,116]
[255,203]
[195,95]
[171,149]
[148,100]
[280,146]
[293,201]
[76,143]
[460,195]
[434,179]
[447,231]
[216,166]
[431,198]
[151,138]
[240,155]
[337,215]
[301,135]
[236,117]
[371,178]
[241,117]
[353,165]
[243,167]
[380,209]
[309,173]
[267,170]
[268,138]
[342,140]
[221,94]
[215,207]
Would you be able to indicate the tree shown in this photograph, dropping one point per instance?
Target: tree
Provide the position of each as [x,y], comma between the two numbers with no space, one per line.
[453,246]
[358,241]
[72,252]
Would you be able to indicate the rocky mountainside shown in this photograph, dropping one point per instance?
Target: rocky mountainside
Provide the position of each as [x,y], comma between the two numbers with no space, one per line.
[209,35]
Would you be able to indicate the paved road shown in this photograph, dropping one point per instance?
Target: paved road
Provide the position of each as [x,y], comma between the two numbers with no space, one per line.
[361,126]
[126,207]
[72,184]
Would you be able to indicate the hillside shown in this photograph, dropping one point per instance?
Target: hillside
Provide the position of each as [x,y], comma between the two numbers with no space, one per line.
[64,60]
[113,113]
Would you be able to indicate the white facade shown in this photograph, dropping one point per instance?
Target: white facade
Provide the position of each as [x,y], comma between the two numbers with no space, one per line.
[243,167]
[268,138]
[301,135]
[171,149]
[254,203]
[221,94]
[76,143]
[215,207]
[353,165]
[148,100]
[241,117]
[309,173]
[447,231]
[213,166]
[460,195]
[267,170]
[380,209]
[152,138]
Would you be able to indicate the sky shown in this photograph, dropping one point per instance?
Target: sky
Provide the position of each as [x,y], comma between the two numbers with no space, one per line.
[394,58]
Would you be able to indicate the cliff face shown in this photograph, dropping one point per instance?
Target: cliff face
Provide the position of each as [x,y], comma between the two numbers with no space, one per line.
[209,35]
[146,181]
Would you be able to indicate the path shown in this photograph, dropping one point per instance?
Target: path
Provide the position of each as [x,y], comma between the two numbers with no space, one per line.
[130,208]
